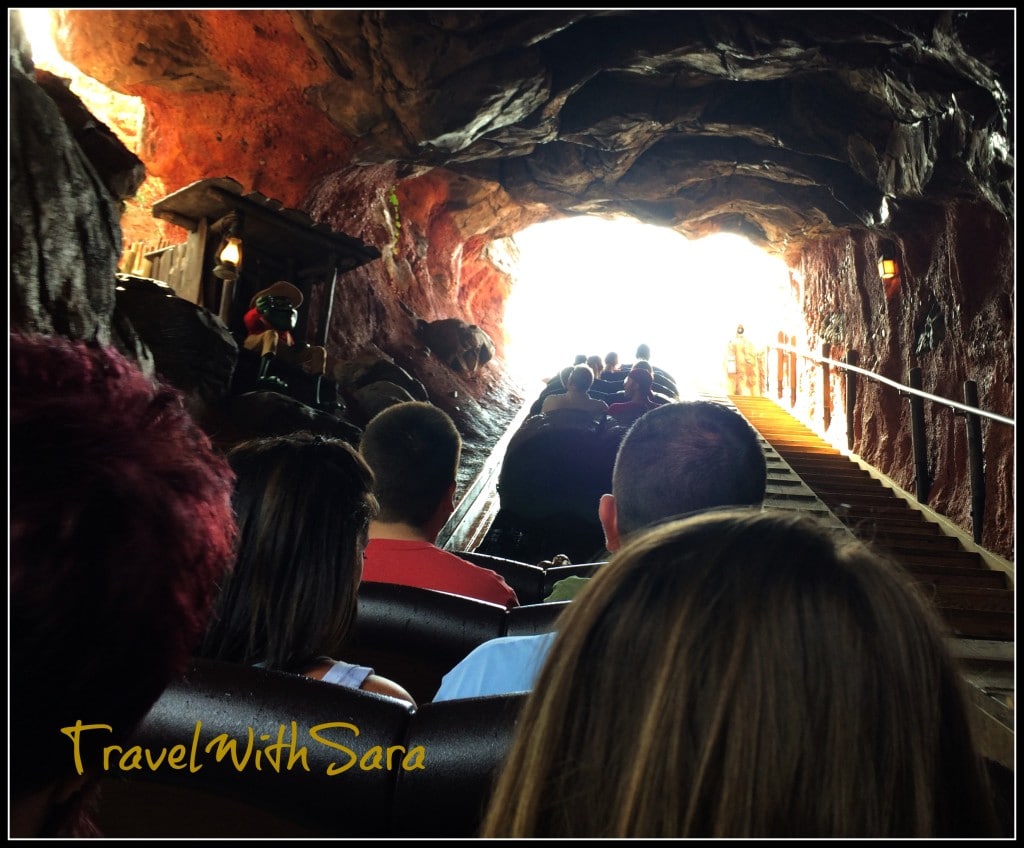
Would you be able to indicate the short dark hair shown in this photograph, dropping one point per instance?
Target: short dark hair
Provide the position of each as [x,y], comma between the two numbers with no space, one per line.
[304,505]
[643,351]
[683,457]
[120,528]
[414,450]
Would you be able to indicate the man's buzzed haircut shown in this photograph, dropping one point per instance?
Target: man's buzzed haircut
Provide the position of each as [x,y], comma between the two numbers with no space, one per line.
[684,457]
[413,449]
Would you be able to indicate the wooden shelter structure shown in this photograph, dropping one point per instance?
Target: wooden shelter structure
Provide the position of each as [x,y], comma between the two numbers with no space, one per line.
[276,244]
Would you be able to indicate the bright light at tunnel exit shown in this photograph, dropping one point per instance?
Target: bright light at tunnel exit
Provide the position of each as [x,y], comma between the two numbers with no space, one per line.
[590,285]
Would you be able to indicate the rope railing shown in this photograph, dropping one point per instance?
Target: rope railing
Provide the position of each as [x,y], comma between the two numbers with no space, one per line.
[968,409]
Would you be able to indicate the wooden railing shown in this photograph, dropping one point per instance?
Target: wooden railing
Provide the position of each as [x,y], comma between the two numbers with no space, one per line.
[786,370]
[177,265]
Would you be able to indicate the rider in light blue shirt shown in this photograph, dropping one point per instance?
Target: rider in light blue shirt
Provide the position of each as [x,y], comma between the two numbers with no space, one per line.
[505,664]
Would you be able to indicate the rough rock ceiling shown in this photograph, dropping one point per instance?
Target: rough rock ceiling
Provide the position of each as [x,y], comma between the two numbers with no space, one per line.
[780,126]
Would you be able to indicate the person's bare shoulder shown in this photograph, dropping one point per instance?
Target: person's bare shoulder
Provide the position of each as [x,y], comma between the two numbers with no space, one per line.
[382,686]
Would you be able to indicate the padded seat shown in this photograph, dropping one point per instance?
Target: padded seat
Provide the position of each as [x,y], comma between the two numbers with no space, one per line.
[462,744]
[535,539]
[233,797]
[414,636]
[466,742]
[531,619]
[525,579]
[555,469]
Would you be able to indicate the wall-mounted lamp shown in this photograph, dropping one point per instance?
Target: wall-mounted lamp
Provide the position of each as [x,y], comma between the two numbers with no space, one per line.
[228,259]
[888,268]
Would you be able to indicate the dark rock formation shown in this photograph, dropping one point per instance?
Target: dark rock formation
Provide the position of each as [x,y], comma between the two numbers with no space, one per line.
[65,231]
[782,126]
[461,346]
[191,347]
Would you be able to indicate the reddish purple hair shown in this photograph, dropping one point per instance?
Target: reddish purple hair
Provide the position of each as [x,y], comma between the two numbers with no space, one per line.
[121,528]
[642,378]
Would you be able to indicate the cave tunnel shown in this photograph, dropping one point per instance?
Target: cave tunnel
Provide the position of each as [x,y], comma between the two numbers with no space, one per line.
[425,143]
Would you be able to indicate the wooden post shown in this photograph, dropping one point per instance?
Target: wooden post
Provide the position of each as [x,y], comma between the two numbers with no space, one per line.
[780,361]
[919,438]
[227,298]
[192,274]
[826,386]
[852,358]
[976,461]
[792,372]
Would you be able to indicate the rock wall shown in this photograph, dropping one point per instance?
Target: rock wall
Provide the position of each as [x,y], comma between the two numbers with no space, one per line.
[951,316]
[324,111]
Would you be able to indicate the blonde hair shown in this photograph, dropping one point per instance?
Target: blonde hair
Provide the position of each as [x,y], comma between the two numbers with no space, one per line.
[741,673]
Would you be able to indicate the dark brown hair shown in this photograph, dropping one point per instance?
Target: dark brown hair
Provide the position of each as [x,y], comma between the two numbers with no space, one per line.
[683,457]
[303,504]
[414,450]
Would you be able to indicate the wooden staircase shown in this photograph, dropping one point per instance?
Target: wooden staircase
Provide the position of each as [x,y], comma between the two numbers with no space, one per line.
[975,599]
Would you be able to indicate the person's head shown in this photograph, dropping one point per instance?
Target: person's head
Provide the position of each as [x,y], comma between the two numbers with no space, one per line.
[414,450]
[120,527]
[564,374]
[581,359]
[643,365]
[581,378]
[304,504]
[596,365]
[643,352]
[745,674]
[278,304]
[611,361]
[680,458]
[638,383]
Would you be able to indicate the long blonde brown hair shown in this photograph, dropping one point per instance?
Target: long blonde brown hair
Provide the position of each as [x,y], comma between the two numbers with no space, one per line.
[745,674]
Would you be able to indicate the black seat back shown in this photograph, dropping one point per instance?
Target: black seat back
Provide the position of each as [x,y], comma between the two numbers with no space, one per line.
[531,619]
[414,636]
[251,794]
[443,760]
[465,743]
[526,580]
[551,468]
[551,481]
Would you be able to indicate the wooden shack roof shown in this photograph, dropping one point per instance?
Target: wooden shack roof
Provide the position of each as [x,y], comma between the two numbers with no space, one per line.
[280,231]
